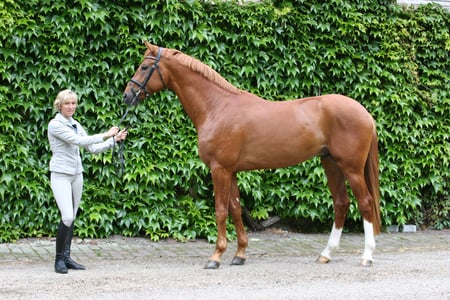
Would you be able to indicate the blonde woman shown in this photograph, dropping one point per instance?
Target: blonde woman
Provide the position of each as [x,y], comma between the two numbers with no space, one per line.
[66,136]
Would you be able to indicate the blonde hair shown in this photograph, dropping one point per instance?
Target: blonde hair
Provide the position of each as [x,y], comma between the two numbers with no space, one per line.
[63,97]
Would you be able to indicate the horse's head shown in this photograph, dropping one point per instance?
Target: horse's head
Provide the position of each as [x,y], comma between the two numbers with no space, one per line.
[143,84]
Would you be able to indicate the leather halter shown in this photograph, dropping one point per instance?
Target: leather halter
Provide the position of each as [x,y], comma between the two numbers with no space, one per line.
[142,85]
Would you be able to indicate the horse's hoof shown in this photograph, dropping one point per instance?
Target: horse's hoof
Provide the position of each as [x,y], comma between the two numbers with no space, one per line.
[322,259]
[237,261]
[366,263]
[212,265]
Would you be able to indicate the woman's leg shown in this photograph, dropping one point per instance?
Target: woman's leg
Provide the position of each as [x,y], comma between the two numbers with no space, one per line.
[77,190]
[62,191]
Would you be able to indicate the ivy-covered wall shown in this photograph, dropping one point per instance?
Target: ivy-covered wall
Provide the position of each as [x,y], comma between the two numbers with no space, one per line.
[395,61]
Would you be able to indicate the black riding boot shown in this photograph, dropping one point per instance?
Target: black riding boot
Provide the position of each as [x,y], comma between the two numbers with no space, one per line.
[70,263]
[61,237]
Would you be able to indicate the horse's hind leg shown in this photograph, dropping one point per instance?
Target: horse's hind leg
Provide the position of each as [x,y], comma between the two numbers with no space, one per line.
[359,188]
[236,214]
[336,183]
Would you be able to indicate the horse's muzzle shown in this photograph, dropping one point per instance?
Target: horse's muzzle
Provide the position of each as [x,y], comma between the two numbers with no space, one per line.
[131,98]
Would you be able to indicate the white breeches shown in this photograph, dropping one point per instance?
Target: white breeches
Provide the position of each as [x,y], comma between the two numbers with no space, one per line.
[67,191]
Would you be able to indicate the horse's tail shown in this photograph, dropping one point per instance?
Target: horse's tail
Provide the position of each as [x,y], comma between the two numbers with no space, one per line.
[371,173]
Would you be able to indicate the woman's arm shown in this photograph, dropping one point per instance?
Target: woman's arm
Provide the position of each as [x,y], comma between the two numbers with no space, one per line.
[68,135]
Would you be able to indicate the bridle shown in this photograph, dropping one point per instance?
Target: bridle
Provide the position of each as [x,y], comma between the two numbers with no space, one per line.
[142,88]
[142,85]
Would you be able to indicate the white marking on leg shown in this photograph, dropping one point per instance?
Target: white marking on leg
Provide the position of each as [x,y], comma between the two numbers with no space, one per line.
[333,242]
[237,199]
[369,239]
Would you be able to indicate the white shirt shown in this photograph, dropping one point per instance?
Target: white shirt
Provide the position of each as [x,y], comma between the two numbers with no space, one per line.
[65,142]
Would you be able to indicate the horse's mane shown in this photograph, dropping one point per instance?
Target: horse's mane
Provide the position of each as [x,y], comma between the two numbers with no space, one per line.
[206,71]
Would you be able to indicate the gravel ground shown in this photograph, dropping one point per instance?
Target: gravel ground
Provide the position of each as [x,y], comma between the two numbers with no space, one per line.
[405,273]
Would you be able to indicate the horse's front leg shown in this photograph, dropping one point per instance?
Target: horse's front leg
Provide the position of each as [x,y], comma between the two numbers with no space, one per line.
[236,214]
[221,181]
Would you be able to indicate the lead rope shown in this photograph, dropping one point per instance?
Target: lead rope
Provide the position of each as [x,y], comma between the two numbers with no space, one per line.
[120,163]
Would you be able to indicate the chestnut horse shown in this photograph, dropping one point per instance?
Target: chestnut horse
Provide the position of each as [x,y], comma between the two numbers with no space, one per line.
[239,131]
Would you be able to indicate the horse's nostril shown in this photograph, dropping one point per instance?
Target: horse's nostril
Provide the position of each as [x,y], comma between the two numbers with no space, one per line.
[126,99]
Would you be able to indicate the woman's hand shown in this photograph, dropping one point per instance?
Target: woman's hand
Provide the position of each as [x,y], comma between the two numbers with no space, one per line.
[111,132]
[121,135]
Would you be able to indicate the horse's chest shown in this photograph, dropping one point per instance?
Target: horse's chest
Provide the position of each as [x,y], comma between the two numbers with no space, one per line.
[222,147]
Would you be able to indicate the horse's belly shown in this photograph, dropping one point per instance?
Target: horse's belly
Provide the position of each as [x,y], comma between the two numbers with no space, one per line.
[277,156]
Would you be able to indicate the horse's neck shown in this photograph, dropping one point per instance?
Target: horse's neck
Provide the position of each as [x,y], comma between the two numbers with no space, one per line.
[198,96]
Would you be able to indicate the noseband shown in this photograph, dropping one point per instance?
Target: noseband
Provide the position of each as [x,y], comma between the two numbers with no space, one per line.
[142,85]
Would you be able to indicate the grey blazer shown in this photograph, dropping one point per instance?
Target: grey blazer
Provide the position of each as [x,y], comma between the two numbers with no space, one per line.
[65,138]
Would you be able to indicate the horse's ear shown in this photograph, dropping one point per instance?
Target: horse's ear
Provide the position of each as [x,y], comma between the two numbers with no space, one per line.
[151,47]
[147,44]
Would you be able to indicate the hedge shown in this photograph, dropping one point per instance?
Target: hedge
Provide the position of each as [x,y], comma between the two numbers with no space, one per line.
[392,59]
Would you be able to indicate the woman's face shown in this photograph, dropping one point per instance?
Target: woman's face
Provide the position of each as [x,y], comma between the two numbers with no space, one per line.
[68,108]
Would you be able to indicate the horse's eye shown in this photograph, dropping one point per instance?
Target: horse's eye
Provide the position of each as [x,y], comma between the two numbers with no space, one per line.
[144,68]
